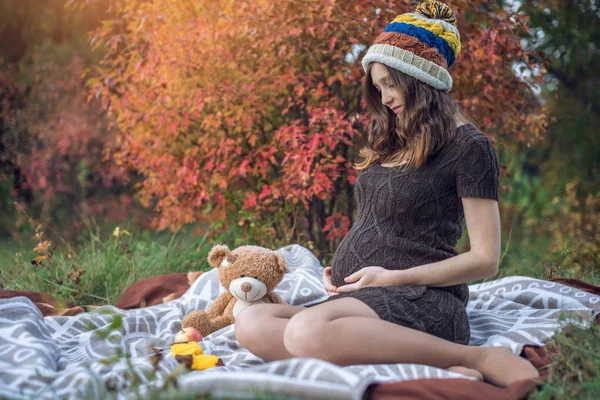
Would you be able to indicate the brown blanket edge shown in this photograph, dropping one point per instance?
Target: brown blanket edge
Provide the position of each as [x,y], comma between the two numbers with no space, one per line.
[143,293]
[448,389]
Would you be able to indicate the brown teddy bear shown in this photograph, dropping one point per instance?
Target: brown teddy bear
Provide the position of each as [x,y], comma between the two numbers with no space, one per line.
[251,273]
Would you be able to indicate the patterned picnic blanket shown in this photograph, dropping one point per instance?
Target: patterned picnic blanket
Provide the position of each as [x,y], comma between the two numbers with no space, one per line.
[66,357]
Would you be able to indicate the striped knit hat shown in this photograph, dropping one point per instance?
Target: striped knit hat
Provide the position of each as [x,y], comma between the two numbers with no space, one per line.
[423,44]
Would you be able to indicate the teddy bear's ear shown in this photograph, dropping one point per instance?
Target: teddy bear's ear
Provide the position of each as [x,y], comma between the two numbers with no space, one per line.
[282,264]
[217,254]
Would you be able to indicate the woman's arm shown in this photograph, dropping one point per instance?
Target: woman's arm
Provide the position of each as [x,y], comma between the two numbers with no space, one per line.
[481,261]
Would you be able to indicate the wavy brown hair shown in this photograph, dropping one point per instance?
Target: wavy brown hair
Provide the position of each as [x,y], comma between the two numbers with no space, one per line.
[427,122]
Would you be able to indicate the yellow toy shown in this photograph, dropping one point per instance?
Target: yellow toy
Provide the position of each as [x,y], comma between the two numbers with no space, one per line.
[187,351]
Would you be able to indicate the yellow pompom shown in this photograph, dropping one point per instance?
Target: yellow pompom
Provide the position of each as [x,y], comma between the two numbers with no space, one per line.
[435,9]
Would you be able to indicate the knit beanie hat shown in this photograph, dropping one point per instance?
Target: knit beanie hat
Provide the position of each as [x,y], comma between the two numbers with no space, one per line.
[423,44]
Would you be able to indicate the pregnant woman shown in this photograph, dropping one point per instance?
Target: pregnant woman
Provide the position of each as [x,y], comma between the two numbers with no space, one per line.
[397,287]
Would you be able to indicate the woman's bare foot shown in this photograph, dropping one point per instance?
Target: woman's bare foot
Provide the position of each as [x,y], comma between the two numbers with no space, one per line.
[466,371]
[501,367]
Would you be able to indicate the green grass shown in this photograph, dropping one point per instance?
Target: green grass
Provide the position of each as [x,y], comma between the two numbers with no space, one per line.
[111,263]
[527,255]
[106,264]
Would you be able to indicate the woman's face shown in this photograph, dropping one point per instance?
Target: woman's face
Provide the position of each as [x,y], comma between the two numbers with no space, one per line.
[391,96]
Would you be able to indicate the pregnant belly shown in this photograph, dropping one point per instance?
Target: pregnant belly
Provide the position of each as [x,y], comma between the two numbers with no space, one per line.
[355,253]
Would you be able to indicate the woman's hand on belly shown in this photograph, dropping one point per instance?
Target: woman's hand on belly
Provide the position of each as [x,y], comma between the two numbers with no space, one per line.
[368,276]
[331,290]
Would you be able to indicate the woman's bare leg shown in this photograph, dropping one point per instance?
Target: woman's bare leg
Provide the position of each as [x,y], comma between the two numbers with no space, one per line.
[348,332]
[339,332]
[260,329]
[261,332]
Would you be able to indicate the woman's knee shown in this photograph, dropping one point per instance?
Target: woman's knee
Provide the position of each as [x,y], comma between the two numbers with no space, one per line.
[306,336]
[311,333]
[249,324]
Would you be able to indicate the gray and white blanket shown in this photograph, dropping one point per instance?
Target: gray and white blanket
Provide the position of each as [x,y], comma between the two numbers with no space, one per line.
[69,357]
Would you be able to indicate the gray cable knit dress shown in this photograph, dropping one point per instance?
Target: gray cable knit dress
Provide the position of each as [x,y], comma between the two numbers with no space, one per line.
[411,218]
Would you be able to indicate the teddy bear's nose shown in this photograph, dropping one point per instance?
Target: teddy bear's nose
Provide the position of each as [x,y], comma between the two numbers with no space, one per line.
[246,287]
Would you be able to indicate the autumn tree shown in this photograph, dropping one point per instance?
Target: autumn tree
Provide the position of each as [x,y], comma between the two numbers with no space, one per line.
[251,113]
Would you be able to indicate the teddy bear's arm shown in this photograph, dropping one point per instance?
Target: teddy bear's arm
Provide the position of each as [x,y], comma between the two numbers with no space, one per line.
[275,298]
[218,307]
[200,320]
[222,321]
